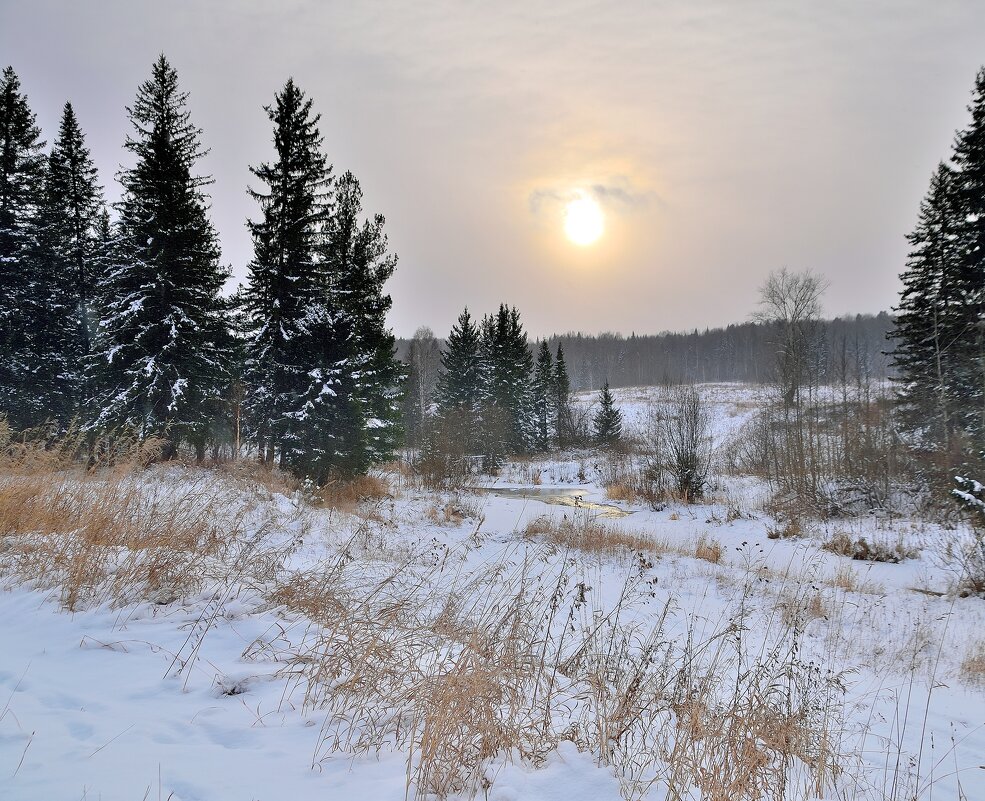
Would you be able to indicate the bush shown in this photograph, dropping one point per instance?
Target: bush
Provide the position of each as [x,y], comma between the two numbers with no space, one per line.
[861,549]
[968,553]
[688,443]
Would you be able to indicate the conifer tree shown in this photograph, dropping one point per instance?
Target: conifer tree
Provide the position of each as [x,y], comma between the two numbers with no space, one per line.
[928,340]
[65,253]
[460,380]
[495,423]
[358,265]
[21,176]
[544,395]
[940,327]
[563,416]
[510,379]
[459,392]
[158,363]
[969,316]
[608,419]
[296,349]
[236,389]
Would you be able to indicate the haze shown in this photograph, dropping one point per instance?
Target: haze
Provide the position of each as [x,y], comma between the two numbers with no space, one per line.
[722,140]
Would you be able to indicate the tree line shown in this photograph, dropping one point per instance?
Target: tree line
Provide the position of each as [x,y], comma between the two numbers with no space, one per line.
[116,324]
[742,352]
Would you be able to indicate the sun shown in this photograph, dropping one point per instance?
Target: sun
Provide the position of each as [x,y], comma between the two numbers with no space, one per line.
[583,221]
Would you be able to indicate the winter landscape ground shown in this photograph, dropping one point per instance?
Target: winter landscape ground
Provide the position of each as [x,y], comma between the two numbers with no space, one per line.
[182,632]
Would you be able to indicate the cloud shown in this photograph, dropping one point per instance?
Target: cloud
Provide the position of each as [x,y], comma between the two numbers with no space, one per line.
[617,195]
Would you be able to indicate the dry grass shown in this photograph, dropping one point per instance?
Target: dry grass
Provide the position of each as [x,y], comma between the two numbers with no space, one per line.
[588,534]
[799,604]
[973,665]
[462,668]
[268,479]
[622,491]
[847,579]
[112,532]
[353,495]
[708,549]
[454,509]
[508,662]
[790,529]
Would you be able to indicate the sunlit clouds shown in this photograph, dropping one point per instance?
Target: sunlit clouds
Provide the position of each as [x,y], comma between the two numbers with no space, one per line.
[717,140]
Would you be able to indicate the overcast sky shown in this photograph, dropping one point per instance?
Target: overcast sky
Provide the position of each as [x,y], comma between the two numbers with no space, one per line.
[722,139]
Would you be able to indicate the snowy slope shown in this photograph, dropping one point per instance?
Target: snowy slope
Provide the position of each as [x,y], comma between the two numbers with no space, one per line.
[216,694]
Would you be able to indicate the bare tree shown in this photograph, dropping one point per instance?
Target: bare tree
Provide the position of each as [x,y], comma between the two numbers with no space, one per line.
[791,303]
[688,443]
[424,361]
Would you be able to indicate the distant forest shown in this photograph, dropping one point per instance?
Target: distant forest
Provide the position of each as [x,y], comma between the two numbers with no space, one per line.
[739,352]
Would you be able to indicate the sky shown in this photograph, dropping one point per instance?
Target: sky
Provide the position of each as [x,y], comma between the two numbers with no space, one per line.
[719,139]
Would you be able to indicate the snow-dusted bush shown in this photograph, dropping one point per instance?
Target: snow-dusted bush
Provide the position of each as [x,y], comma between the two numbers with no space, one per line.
[966,551]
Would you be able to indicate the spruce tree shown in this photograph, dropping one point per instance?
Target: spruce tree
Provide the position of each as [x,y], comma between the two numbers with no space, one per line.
[158,362]
[75,197]
[608,419]
[544,395]
[564,425]
[459,393]
[460,380]
[21,187]
[929,339]
[295,349]
[495,423]
[969,315]
[510,380]
[358,265]
[940,328]
[65,255]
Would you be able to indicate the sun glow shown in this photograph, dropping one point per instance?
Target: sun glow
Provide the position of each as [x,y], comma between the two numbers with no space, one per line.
[583,221]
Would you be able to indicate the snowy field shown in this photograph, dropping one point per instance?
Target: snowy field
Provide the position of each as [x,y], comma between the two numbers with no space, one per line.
[506,643]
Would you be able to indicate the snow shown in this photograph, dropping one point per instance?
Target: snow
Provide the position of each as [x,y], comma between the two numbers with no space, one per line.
[96,703]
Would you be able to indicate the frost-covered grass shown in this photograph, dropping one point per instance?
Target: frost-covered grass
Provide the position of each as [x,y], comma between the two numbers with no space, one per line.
[231,637]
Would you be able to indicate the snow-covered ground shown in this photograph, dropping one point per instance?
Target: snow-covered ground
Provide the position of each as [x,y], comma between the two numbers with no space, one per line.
[369,655]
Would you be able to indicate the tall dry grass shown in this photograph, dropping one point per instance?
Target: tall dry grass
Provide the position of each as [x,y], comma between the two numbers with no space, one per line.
[462,668]
[109,531]
[466,660]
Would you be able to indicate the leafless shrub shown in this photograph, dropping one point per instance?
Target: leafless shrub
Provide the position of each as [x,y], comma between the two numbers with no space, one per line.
[685,432]
[786,530]
[861,549]
[963,556]
[631,477]
[973,665]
